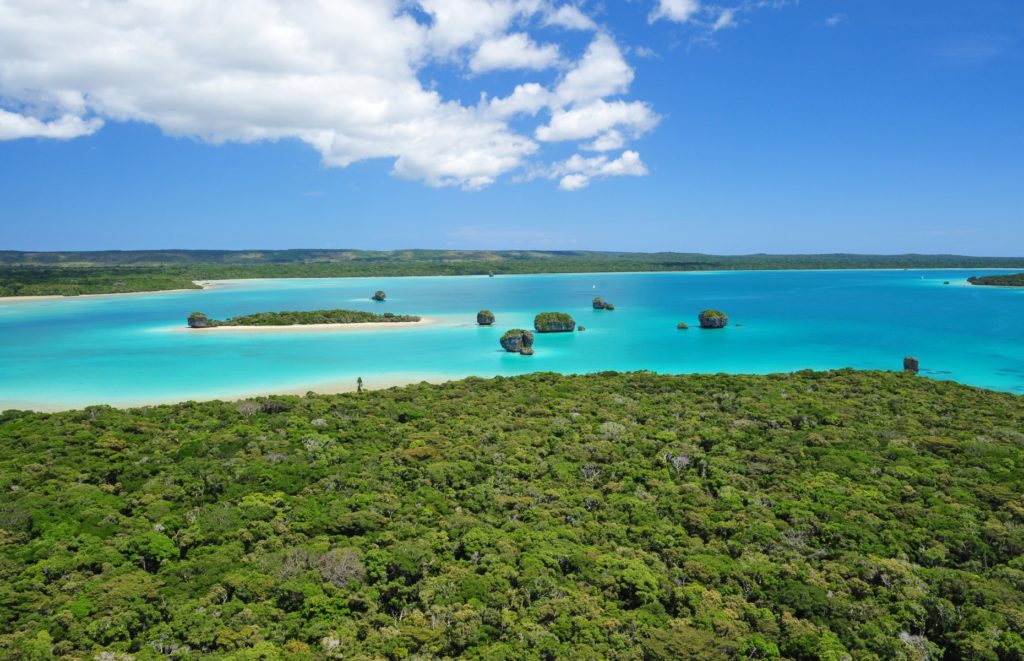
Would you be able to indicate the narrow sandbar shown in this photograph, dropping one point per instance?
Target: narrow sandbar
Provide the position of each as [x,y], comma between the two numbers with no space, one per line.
[362,325]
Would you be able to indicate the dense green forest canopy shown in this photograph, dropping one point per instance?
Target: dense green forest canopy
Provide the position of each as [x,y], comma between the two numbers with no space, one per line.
[825,515]
[305,318]
[1015,280]
[72,273]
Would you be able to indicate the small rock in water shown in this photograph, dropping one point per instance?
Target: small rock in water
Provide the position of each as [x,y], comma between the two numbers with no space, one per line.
[911,365]
[682,326]
[485,317]
[198,320]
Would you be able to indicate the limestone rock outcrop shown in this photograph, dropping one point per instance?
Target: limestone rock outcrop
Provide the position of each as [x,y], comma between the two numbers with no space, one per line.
[713,319]
[517,340]
[198,320]
[554,322]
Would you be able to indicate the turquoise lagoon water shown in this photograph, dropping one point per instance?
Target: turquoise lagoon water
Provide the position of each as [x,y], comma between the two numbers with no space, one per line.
[122,350]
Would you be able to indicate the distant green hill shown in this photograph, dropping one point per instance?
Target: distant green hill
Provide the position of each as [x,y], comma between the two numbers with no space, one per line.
[838,515]
[39,273]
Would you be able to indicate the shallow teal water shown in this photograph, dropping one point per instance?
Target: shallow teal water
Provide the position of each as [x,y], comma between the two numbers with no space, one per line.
[125,350]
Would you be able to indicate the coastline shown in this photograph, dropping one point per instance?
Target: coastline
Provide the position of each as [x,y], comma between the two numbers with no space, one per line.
[213,284]
[333,387]
[362,325]
[203,285]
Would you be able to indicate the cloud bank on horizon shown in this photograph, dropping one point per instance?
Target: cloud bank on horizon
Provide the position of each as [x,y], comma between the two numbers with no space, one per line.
[343,77]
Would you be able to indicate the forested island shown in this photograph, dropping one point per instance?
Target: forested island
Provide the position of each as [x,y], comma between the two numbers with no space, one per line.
[1015,280]
[78,273]
[303,318]
[828,515]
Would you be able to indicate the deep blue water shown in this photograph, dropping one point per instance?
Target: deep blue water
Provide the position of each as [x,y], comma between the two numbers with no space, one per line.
[71,352]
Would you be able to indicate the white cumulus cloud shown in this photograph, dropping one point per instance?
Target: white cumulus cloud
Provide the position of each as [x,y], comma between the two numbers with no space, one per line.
[345,77]
[14,126]
[578,171]
[596,118]
[601,72]
[570,17]
[514,51]
[678,11]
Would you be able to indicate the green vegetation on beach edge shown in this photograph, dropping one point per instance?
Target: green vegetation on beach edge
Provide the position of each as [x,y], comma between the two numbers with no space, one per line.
[309,318]
[814,515]
[79,273]
[1015,280]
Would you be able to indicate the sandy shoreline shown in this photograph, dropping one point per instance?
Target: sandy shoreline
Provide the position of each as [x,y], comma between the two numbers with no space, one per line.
[362,325]
[333,387]
[211,284]
[203,285]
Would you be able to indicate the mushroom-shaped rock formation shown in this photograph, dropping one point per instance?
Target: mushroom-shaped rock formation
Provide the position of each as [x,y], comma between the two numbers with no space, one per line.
[485,317]
[601,304]
[713,319]
[378,296]
[517,339]
[911,365]
[554,322]
[682,326]
[198,320]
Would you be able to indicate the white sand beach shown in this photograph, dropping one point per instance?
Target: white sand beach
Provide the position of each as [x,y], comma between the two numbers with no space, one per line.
[363,325]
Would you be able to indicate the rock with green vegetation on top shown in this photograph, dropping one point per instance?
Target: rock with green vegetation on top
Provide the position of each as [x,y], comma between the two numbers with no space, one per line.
[378,296]
[517,339]
[198,320]
[713,319]
[683,326]
[485,317]
[911,365]
[554,322]
[601,304]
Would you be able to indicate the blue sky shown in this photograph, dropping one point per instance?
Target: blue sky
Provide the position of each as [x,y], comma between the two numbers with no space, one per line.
[836,125]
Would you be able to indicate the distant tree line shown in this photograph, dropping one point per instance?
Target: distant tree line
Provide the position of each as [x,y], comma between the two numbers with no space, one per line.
[71,273]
